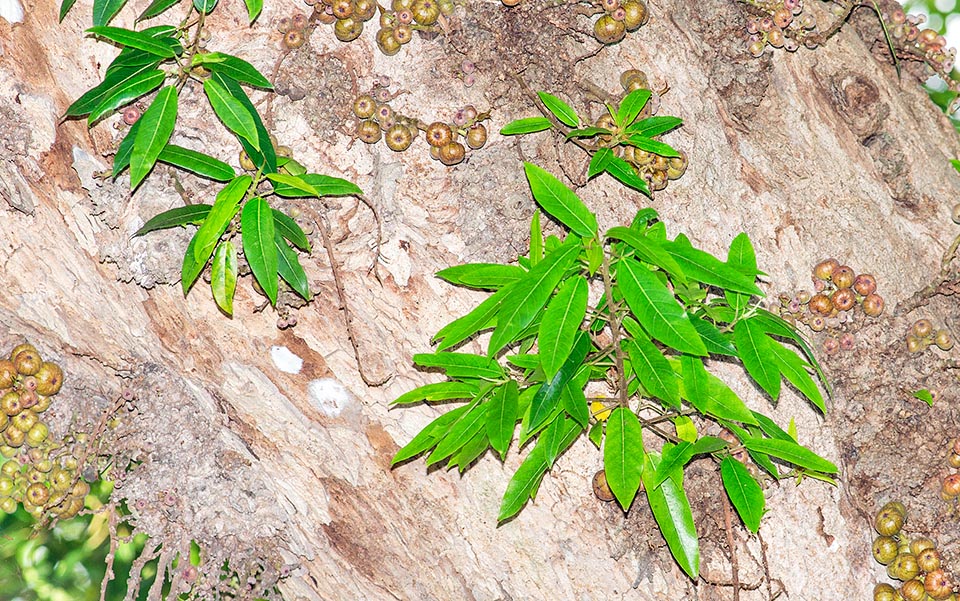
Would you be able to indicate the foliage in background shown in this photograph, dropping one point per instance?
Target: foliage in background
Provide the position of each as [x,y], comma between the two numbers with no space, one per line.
[630,364]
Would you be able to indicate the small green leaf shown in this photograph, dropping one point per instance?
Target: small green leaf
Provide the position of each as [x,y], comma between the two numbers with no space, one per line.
[204,6]
[258,231]
[196,162]
[704,267]
[674,457]
[599,162]
[156,8]
[776,326]
[469,452]
[552,437]
[502,416]
[770,427]
[289,268]
[575,402]
[924,395]
[483,316]
[547,397]
[671,509]
[742,258]
[653,126]
[262,153]
[104,10]
[223,276]
[794,369]
[491,276]
[647,250]
[253,9]
[289,229]
[623,172]
[233,67]
[460,434]
[461,365]
[526,126]
[65,7]
[191,268]
[293,181]
[121,160]
[791,452]
[441,391]
[133,88]
[194,554]
[651,145]
[232,112]
[560,323]
[717,342]
[654,371]
[753,347]
[586,132]
[155,126]
[744,492]
[428,437]
[656,309]
[709,394]
[174,217]
[112,82]
[596,433]
[225,207]
[321,185]
[133,39]
[560,201]
[631,106]
[536,239]
[623,455]
[560,109]
[686,429]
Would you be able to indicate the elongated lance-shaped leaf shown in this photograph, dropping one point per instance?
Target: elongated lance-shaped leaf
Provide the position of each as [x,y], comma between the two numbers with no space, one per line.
[441,391]
[204,6]
[648,251]
[717,342]
[223,276]
[554,437]
[111,84]
[491,276]
[234,67]
[656,309]
[190,269]
[623,172]
[709,394]
[289,268]
[293,181]
[461,365]
[575,401]
[155,126]
[651,145]
[623,455]
[776,326]
[631,106]
[560,109]
[225,207]
[673,458]
[253,9]
[560,324]
[134,88]
[231,112]
[196,162]
[654,126]
[742,258]
[319,185]
[428,437]
[460,434]
[469,452]
[654,371]
[704,267]
[65,7]
[104,10]
[483,316]
[547,397]
[560,202]
[671,509]
[599,161]
[527,296]
[586,132]
[156,8]
[258,232]
[745,493]
[262,154]
[525,126]
[174,217]
[791,452]
[536,239]
[289,229]
[134,39]
[502,416]
[753,346]
[795,370]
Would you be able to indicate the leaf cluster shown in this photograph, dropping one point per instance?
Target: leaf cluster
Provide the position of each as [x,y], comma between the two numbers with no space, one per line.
[664,310]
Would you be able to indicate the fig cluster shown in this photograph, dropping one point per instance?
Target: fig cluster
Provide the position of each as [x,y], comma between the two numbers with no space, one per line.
[906,30]
[448,142]
[915,562]
[782,24]
[404,17]
[294,29]
[617,18]
[923,334]
[35,471]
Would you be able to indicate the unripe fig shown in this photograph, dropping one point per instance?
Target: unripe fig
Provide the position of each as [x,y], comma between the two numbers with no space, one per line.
[950,487]
[912,590]
[884,592]
[608,30]
[884,549]
[922,328]
[865,284]
[477,136]
[21,347]
[824,269]
[873,305]
[843,276]
[938,584]
[821,303]
[889,521]
[364,106]
[37,494]
[369,131]
[439,134]
[919,544]
[452,153]
[27,362]
[844,299]
[635,14]
[49,378]
[399,138]
[928,559]
[903,567]
[943,340]
[8,373]
[600,487]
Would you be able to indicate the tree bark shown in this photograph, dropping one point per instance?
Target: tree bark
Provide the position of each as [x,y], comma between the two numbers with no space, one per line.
[813,154]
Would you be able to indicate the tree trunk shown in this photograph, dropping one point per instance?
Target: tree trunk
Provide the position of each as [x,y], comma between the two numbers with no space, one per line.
[813,154]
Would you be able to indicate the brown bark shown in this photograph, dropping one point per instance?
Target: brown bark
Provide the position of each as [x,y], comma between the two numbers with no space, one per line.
[813,154]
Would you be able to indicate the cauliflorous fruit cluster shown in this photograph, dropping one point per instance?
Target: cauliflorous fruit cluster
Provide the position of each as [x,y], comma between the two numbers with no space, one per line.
[923,334]
[655,169]
[781,24]
[927,43]
[35,471]
[617,18]
[950,489]
[448,142]
[294,30]
[915,562]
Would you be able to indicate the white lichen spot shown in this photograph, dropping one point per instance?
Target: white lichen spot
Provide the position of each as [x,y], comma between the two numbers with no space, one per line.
[328,396]
[12,11]
[285,360]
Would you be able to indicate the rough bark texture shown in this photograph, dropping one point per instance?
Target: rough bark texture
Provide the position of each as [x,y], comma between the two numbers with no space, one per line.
[815,154]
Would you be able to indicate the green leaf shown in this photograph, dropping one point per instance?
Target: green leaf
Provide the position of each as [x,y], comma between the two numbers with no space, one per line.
[673,458]
[258,231]
[233,67]
[536,239]
[320,185]
[527,296]
[111,84]
[753,346]
[441,391]
[132,39]
[671,509]
[461,365]
[709,394]
[460,434]
[744,492]
[223,276]
[191,268]
[196,162]
[204,6]
[708,444]
[795,370]
[717,342]
[469,452]
[155,126]
[224,208]
[776,326]
[232,113]
[631,106]
[262,154]
[174,217]
[483,316]
[253,9]
[560,109]
[156,8]
[924,395]
[289,268]
[654,126]
[599,162]
[623,172]
[575,402]
[502,416]
[686,429]
[121,160]
[105,10]
[560,202]
[586,132]
[770,427]
[428,437]
[654,371]
[648,251]
[547,397]
[293,181]
[742,258]
[491,276]
[560,323]
[704,267]
[623,455]
[791,452]
[525,126]
[656,309]
[651,145]
[65,7]
[596,433]
[289,229]
[134,88]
